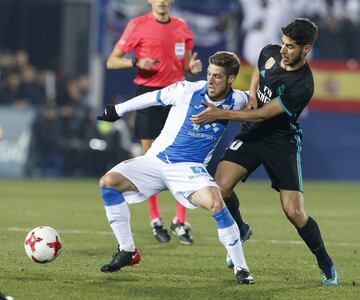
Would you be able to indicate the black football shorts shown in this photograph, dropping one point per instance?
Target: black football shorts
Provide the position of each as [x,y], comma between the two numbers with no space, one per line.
[149,121]
[281,161]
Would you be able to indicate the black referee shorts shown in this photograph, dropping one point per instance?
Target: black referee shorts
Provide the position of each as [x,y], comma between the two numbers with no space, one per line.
[149,121]
[281,161]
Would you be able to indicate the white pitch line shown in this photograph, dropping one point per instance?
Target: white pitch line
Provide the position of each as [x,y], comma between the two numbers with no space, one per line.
[252,240]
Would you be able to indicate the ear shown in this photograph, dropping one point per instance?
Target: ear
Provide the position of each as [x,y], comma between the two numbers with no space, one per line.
[306,49]
[232,78]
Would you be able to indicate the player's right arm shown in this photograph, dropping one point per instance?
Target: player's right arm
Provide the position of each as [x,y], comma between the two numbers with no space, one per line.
[252,102]
[117,60]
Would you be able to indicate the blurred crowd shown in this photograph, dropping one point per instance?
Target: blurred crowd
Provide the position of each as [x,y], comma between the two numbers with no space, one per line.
[65,140]
[338,22]
[20,83]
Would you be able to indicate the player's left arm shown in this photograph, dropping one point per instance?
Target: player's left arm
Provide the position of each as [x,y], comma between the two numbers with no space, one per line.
[164,97]
[212,113]
[115,112]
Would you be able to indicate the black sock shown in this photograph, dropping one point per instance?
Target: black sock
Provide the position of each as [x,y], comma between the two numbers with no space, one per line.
[233,205]
[311,235]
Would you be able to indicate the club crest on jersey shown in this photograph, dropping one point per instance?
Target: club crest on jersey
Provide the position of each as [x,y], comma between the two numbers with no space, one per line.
[179,50]
[269,63]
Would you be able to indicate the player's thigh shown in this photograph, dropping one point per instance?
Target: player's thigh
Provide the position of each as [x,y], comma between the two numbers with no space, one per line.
[283,164]
[228,174]
[208,197]
[239,161]
[184,179]
[144,173]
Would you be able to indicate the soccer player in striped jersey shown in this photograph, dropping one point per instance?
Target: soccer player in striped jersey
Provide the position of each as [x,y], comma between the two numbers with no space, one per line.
[177,161]
[162,45]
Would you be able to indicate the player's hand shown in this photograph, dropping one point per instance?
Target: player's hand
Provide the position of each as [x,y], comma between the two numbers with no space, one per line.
[209,115]
[195,65]
[252,103]
[147,63]
[109,114]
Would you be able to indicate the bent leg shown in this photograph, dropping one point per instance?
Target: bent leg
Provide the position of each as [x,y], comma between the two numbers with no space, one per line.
[229,235]
[228,174]
[293,205]
[112,185]
[153,200]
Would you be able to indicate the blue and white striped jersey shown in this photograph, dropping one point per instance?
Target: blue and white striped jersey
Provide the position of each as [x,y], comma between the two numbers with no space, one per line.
[181,140]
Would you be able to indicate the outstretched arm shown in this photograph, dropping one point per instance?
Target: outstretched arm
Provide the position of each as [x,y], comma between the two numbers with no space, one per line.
[115,112]
[212,113]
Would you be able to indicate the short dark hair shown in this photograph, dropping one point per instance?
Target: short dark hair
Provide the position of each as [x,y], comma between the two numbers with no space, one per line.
[226,59]
[302,31]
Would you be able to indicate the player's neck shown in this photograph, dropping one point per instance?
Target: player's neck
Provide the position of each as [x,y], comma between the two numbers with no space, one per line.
[162,18]
[293,67]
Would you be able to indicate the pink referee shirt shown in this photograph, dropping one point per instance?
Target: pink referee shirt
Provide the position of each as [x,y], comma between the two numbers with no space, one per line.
[166,42]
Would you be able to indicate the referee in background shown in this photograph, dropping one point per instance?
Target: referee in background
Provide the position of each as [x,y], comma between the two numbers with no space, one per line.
[162,45]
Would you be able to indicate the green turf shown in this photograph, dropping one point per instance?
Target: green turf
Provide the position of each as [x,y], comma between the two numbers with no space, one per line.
[280,262]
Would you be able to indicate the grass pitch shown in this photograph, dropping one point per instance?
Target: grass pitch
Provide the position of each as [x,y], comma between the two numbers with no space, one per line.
[279,260]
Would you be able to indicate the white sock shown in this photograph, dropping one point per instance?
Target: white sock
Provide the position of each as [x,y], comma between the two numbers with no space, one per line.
[118,214]
[229,236]
[119,220]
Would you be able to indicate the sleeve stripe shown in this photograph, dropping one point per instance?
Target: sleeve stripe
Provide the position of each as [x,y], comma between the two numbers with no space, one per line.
[158,98]
[283,106]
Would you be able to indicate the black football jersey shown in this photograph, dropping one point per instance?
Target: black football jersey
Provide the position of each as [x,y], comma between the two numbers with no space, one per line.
[293,90]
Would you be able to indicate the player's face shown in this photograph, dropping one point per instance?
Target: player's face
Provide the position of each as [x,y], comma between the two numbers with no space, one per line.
[292,54]
[160,7]
[218,83]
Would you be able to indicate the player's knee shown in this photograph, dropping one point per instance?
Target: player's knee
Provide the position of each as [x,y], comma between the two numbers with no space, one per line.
[295,215]
[217,205]
[109,181]
[226,190]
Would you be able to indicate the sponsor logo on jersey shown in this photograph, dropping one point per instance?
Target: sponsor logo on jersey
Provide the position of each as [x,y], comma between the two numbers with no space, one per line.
[198,172]
[265,95]
[202,131]
[180,50]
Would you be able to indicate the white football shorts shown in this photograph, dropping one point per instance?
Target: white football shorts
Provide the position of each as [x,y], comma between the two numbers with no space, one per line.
[151,175]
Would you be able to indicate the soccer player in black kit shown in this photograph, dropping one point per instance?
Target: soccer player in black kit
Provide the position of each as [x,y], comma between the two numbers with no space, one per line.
[281,86]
